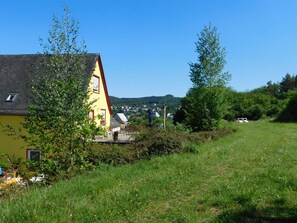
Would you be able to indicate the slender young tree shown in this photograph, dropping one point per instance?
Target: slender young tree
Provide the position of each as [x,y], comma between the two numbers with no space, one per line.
[205,102]
[57,121]
[208,70]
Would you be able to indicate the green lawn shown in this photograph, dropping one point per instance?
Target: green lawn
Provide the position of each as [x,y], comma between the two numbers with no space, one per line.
[250,176]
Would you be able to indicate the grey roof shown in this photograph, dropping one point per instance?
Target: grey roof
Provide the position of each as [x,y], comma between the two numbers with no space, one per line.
[16,75]
[120,117]
[114,123]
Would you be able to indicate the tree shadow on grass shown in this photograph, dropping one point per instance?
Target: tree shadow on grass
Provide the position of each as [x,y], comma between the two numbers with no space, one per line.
[276,213]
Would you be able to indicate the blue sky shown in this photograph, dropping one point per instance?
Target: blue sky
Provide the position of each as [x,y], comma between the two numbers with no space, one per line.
[146,45]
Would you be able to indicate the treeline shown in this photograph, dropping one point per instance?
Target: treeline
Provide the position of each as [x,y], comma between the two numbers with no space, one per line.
[274,100]
[159,100]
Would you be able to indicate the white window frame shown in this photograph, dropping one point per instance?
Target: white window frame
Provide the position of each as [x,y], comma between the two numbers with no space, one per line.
[11,97]
[96,83]
[92,115]
[103,113]
[29,151]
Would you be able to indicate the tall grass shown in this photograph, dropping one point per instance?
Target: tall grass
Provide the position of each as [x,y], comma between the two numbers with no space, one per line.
[250,176]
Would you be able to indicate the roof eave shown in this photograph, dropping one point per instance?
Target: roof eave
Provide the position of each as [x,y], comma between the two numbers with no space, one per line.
[104,84]
[14,112]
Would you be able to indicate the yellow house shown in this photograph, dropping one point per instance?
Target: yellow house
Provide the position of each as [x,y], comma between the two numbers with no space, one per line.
[15,76]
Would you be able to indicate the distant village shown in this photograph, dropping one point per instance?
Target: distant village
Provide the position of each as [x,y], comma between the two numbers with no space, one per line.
[126,114]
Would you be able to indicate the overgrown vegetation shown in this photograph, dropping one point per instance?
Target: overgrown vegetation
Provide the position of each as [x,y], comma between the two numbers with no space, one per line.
[273,100]
[57,122]
[249,176]
[153,142]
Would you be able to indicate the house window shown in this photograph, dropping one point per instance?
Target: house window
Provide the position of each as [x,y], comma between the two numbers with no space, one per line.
[33,154]
[96,84]
[11,97]
[91,115]
[103,120]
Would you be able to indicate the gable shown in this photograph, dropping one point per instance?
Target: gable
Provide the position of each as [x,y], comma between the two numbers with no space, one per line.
[99,95]
[103,81]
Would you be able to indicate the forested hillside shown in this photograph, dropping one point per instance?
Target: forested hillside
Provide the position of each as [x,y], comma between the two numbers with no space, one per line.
[170,101]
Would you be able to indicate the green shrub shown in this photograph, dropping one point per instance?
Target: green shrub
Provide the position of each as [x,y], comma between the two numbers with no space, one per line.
[166,142]
[114,154]
[153,142]
[289,113]
[203,137]
[163,142]
[192,148]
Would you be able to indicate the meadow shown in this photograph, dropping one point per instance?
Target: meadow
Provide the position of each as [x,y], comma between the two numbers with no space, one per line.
[249,176]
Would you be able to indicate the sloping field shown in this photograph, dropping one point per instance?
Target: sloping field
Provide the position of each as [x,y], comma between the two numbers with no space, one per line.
[250,176]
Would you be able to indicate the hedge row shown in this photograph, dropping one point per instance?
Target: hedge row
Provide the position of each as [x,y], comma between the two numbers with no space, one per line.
[151,143]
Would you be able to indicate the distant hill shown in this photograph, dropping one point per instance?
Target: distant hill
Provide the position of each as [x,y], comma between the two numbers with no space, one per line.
[171,102]
[167,99]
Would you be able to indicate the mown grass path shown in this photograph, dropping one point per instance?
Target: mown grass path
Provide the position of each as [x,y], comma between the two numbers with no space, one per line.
[250,176]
